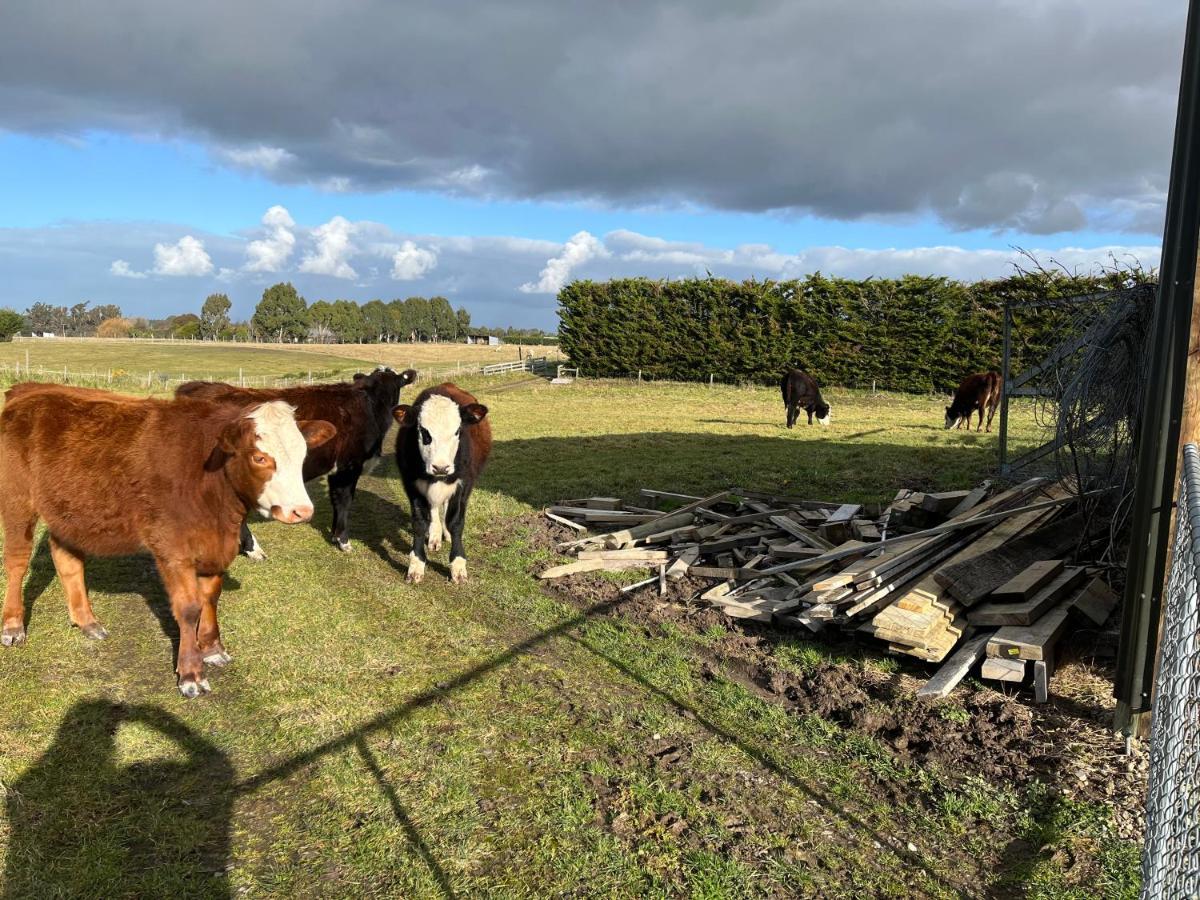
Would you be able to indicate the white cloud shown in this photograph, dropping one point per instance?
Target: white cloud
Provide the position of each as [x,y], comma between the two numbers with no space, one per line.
[270,253]
[411,262]
[333,248]
[581,248]
[185,257]
[261,158]
[121,269]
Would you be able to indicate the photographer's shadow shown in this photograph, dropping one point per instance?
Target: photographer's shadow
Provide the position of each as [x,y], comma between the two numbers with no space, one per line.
[84,824]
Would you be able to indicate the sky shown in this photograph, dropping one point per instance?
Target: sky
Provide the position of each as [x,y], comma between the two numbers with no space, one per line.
[153,153]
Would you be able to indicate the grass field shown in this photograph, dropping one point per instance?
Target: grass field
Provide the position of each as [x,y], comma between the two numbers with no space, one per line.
[372,738]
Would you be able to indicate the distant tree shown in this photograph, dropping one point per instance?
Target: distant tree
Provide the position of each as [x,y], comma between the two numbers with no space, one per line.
[464,323]
[115,328]
[141,328]
[419,319]
[47,317]
[214,316]
[175,325]
[187,331]
[10,323]
[377,320]
[281,315]
[398,320]
[441,314]
[320,322]
[347,322]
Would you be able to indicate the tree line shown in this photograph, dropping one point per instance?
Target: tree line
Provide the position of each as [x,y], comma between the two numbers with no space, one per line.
[281,315]
[916,333]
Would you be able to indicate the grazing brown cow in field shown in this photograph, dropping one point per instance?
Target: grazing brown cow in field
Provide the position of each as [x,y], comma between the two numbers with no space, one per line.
[977,392]
[443,444]
[362,413]
[112,475]
[800,392]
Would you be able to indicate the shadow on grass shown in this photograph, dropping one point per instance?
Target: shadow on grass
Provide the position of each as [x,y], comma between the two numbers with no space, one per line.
[109,575]
[82,824]
[444,691]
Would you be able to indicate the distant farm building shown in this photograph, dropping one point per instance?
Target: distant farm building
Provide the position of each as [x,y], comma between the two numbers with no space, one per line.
[489,340]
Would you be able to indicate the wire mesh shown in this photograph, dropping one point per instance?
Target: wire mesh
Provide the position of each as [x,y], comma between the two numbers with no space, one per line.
[1171,856]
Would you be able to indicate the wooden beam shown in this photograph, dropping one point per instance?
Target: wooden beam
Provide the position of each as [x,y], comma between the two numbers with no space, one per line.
[1030,641]
[1003,670]
[1019,614]
[955,669]
[1023,585]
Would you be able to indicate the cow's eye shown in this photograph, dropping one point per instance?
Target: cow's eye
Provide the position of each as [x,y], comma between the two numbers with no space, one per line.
[259,459]
[426,437]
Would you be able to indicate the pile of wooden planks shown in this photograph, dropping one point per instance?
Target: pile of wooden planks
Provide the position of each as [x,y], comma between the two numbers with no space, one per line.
[920,575]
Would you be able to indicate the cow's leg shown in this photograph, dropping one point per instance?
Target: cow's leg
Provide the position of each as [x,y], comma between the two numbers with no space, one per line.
[19,523]
[69,566]
[979,426]
[456,519]
[249,545]
[437,527]
[208,635]
[343,484]
[421,515]
[186,605]
[791,415]
[991,414]
[810,412]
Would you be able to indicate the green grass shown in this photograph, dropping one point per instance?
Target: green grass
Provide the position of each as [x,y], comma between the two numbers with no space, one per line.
[377,739]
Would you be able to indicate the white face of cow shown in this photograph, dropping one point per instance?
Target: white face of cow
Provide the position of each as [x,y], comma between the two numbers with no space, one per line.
[278,436]
[439,424]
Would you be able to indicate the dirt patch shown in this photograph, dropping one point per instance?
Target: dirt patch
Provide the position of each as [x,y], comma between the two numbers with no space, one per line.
[990,734]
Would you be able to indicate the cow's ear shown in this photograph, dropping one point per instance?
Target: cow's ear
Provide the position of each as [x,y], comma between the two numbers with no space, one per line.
[473,413]
[408,376]
[237,434]
[316,431]
[400,413]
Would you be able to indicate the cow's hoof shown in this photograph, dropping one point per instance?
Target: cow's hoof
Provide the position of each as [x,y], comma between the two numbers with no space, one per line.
[194,688]
[416,570]
[95,631]
[342,545]
[458,570]
[12,636]
[256,553]
[218,658]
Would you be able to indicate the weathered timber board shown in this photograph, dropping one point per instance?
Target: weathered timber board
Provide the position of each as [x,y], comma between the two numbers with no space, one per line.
[1025,584]
[1030,641]
[956,668]
[1003,670]
[1032,609]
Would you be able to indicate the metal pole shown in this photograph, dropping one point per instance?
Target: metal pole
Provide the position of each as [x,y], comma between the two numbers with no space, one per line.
[1158,441]
[1006,367]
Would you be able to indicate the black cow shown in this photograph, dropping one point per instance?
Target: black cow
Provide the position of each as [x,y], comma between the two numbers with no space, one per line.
[443,444]
[800,391]
[362,411]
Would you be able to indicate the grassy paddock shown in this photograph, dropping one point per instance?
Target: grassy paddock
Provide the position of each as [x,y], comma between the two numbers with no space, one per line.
[377,739]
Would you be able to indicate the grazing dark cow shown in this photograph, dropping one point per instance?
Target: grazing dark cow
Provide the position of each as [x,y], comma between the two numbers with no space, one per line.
[800,391]
[112,475]
[362,413]
[977,392]
[443,443]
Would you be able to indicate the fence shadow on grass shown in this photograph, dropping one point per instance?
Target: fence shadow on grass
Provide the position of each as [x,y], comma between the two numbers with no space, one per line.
[83,824]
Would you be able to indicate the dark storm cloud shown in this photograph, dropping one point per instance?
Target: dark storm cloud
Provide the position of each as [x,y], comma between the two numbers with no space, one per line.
[1033,116]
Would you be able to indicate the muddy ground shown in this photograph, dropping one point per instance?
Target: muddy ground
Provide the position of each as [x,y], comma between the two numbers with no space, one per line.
[1004,738]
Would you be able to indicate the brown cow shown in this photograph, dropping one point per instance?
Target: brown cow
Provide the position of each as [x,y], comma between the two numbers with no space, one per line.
[362,413]
[112,475]
[977,392]
[443,444]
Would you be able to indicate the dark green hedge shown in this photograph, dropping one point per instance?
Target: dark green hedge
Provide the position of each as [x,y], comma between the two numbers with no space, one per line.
[908,334]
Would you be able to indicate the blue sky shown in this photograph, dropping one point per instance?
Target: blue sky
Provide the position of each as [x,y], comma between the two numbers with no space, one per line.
[432,162]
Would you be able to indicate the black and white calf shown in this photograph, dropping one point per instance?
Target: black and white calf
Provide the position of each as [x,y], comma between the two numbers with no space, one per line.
[442,446]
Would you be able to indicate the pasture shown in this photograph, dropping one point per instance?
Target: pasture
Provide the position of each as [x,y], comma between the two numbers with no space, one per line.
[372,738]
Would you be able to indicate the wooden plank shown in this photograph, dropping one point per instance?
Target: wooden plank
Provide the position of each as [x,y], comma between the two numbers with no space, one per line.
[795,550]
[595,565]
[564,521]
[943,501]
[865,531]
[631,554]
[1030,641]
[737,540]
[974,498]
[800,533]
[1020,614]
[1003,669]
[1025,584]
[683,562]
[666,495]
[843,513]
[1041,681]
[605,503]
[1096,601]
[955,668]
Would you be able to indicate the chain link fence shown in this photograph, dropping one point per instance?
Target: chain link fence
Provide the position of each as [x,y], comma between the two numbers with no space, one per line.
[1171,858]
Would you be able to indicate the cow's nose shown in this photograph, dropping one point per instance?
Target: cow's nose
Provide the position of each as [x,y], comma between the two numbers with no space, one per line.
[441,470]
[292,516]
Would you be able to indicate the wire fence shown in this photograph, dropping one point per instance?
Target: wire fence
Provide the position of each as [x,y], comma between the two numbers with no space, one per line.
[1171,857]
[156,380]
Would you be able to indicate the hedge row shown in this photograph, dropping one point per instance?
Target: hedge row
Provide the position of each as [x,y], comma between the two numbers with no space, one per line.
[908,334]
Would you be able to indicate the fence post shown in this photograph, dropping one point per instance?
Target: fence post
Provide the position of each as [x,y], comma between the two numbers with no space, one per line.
[241,381]
[710,379]
[639,376]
